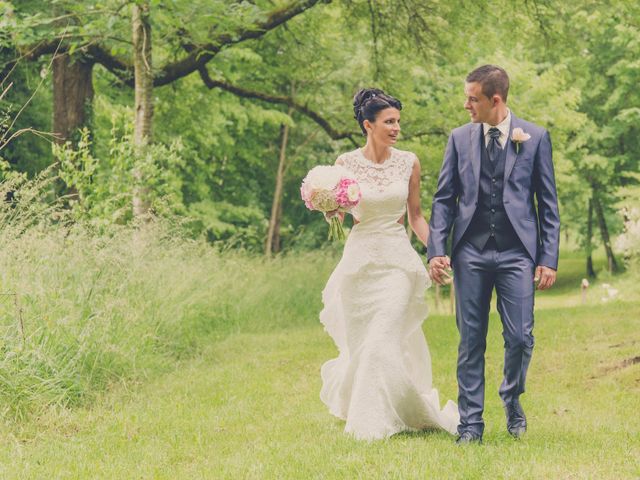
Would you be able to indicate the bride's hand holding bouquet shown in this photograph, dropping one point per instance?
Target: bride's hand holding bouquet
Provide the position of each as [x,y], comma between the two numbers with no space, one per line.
[332,190]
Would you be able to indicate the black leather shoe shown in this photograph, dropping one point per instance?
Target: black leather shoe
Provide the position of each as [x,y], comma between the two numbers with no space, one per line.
[467,438]
[516,421]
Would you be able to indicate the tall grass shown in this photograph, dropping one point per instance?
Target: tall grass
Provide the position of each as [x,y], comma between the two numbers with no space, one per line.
[81,308]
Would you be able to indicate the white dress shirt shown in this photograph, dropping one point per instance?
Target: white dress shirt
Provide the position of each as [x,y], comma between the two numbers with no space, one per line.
[503,126]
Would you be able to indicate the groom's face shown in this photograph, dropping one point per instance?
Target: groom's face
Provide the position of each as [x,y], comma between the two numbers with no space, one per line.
[479,106]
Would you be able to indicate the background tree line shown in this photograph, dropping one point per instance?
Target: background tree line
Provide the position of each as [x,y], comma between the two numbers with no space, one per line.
[214,110]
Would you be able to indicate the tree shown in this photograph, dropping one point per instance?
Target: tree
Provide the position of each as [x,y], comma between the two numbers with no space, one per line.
[272,244]
[598,44]
[143,77]
[93,40]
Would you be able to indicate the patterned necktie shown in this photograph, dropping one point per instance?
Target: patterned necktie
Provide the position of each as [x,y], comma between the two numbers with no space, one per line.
[494,145]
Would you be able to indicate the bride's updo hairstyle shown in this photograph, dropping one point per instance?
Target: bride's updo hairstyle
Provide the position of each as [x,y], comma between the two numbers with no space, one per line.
[368,102]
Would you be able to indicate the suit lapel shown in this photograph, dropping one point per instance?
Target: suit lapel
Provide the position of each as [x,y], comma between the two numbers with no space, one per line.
[475,138]
[511,149]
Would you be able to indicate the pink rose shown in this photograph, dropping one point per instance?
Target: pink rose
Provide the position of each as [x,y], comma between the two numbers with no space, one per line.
[348,193]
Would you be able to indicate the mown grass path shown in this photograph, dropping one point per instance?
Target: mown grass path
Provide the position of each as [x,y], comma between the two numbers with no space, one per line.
[248,407]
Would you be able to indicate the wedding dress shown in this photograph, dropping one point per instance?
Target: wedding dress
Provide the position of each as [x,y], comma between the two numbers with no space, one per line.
[374,307]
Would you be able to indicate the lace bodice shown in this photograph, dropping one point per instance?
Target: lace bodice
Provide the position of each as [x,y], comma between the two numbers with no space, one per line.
[385,187]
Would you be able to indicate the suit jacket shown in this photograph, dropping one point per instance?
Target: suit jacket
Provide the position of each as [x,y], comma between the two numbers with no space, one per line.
[528,173]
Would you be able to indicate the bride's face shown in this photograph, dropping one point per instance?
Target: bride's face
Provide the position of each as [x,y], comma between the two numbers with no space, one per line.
[386,128]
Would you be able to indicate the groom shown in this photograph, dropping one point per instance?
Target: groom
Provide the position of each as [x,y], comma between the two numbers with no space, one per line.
[492,169]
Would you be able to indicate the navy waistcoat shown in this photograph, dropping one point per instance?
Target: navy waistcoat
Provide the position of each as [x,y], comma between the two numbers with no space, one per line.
[490,220]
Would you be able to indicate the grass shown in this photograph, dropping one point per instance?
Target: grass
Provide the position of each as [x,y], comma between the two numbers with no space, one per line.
[82,310]
[99,311]
[244,403]
[248,407]
[141,354]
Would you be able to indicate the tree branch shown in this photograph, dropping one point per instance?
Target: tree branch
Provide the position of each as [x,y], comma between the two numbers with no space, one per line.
[197,57]
[425,133]
[278,99]
[201,54]
[121,69]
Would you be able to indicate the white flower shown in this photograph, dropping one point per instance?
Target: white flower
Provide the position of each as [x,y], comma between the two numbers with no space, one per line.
[518,135]
[585,283]
[353,192]
[325,177]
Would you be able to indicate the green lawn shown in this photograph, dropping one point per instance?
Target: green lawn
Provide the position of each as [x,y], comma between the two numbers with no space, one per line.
[245,404]
[248,407]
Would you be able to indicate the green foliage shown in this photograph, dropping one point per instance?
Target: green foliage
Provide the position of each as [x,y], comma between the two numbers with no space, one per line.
[228,225]
[105,187]
[573,69]
[27,153]
[596,42]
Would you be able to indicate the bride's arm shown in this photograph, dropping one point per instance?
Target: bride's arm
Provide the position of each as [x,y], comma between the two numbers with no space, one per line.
[418,223]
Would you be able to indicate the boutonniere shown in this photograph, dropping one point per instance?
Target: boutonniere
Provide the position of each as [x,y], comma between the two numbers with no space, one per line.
[519,136]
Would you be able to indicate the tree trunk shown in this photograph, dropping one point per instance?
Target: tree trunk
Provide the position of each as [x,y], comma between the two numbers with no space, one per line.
[143,99]
[591,273]
[72,104]
[272,244]
[604,232]
[72,96]
[276,245]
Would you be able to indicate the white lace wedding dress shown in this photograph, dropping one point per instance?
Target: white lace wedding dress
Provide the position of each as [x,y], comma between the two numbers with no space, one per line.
[374,307]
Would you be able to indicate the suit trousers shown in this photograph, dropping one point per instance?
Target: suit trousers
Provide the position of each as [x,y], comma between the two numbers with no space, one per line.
[476,273]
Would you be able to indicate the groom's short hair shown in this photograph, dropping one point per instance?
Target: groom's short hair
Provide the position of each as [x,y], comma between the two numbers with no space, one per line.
[493,79]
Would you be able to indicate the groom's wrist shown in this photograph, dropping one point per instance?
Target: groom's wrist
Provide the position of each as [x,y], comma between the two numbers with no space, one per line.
[435,251]
[546,260]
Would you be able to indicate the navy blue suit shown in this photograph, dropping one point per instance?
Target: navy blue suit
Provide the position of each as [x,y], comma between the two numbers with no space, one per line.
[463,202]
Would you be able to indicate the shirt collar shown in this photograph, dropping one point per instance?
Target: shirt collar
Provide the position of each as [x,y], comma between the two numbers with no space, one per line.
[503,126]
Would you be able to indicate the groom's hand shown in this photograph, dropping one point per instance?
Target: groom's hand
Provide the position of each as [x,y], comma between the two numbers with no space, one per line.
[545,277]
[438,267]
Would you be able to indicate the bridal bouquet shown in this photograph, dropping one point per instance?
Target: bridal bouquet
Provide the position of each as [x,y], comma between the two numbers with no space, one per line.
[330,189]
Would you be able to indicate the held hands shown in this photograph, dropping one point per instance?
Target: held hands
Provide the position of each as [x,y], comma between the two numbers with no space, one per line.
[545,277]
[438,270]
[440,266]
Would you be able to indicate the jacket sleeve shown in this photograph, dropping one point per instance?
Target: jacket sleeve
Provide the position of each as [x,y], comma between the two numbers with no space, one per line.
[443,208]
[547,199]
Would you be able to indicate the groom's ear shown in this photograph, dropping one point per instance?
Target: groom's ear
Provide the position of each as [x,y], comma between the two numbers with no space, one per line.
[496,99]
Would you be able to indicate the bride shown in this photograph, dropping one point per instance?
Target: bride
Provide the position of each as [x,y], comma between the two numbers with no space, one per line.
[374,302]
